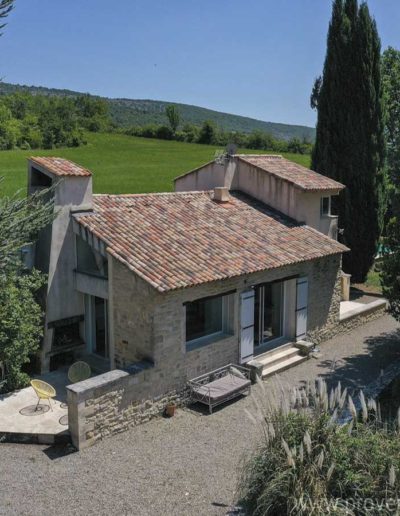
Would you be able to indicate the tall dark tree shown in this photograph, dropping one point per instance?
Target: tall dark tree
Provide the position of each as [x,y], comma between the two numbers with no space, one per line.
[350,144]
[391,89]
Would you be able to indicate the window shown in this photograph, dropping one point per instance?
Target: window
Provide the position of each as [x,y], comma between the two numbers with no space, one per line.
[325,206]
[207,319]
[88,260]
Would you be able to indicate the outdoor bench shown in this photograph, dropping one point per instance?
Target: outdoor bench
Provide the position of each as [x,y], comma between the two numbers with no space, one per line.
[220,385]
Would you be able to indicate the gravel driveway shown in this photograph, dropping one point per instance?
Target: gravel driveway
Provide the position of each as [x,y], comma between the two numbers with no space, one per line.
[186,465]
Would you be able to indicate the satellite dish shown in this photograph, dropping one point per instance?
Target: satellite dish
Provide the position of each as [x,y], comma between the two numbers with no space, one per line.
[231,149]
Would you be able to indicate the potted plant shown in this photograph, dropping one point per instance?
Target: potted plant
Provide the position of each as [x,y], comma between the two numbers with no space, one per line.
[170,409]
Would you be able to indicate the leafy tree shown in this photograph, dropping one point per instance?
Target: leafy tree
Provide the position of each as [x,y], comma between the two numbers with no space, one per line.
[298,146]
[350,145]
[191,133]
[391,87]
[173,116]
[93,113]
[20,324]
[21,219]
[390,267]
[207,133]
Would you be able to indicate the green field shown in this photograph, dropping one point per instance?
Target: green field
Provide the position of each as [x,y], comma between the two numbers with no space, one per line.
[122,164]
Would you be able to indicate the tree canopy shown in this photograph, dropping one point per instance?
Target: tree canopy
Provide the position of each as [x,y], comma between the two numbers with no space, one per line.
[350,144]
[36,121]
[391,88]
[21,327]
[173,116]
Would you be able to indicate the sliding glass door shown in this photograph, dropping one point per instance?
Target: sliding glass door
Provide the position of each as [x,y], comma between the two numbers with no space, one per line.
[268,316]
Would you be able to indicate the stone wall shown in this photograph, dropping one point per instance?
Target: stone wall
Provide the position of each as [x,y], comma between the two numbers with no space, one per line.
[132,313]
[350,323]
[151,325]
[111,403]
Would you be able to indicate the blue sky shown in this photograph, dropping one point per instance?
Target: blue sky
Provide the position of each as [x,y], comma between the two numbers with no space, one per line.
[251,57]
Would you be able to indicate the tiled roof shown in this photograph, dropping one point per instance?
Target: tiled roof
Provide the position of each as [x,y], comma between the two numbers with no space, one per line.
[300,176]
[60,166]
[179,240]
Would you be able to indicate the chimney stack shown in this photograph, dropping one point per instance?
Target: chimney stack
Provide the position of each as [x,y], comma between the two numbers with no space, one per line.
[221,194]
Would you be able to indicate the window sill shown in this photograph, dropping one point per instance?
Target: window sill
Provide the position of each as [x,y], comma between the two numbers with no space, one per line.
[206,341]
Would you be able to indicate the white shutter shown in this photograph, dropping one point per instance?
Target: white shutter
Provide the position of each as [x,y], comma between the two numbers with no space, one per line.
[301,308]
[246,325]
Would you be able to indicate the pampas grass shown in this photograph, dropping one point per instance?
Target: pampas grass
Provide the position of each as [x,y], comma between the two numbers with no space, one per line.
[308,454]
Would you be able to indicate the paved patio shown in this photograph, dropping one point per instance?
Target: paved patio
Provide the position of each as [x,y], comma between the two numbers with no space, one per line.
[186,465]
[18,417]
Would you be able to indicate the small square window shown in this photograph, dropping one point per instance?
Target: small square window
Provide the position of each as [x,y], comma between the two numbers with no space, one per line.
[325,206]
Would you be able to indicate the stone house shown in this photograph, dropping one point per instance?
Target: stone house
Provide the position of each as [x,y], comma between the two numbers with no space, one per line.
[236,265]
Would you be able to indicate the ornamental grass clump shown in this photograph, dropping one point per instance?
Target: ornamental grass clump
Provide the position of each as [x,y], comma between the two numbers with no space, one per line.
[319,454]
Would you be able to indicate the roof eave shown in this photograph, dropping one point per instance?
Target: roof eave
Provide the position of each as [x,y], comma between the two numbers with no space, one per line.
[338,186]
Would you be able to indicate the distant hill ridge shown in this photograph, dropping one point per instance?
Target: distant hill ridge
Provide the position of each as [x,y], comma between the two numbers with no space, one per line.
[129,112]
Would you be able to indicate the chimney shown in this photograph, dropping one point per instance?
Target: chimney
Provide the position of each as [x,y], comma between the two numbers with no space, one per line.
[73,182]
[221,194]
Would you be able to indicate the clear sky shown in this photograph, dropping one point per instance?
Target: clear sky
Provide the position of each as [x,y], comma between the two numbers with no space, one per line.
[256,58]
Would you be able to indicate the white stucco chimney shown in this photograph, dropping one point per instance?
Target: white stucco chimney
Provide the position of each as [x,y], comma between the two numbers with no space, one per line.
[221,194]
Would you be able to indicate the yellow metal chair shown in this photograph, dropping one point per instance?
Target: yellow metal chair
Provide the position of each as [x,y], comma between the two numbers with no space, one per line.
[44,391]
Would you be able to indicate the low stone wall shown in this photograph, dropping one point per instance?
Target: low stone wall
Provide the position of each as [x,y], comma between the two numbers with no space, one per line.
[351,321]
[354,321]
[108,404]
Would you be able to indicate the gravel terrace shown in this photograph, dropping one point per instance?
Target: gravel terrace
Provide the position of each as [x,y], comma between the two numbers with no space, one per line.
[186,465]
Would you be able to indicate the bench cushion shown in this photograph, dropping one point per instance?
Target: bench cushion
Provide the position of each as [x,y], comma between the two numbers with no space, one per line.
[222,388]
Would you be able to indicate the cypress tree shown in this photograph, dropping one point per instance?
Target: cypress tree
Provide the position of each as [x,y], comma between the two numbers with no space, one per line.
[350,143]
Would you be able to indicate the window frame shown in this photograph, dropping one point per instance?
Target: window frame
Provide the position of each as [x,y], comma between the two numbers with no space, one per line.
[329,212]
[227,322]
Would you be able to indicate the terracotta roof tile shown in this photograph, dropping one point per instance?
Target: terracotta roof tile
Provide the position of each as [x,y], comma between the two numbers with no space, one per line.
[60,166]
[179,240]
[300,176]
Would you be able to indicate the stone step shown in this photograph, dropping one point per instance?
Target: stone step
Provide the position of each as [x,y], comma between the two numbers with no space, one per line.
[269,359]
[276,350]
[282,366]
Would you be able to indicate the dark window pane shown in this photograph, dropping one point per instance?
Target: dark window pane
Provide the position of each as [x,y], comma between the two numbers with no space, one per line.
[203,317]
[325,205]
[87,261]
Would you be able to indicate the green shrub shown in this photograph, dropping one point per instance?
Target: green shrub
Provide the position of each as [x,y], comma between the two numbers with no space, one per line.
[21,324]
[310,463]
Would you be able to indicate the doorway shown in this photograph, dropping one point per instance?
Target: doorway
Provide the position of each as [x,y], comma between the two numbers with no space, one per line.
[96,325]
[271,315]
[268,315]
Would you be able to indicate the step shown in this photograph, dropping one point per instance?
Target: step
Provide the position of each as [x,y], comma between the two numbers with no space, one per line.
[276,350]
[268,359]
[281,366]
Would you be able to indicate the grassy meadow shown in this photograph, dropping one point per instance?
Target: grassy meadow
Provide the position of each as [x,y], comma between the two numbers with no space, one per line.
[121,164]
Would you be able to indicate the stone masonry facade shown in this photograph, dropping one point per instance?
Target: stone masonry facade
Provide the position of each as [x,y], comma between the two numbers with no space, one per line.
[113,402]
[150,325]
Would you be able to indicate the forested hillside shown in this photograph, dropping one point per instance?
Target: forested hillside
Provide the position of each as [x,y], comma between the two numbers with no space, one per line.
[130,112]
